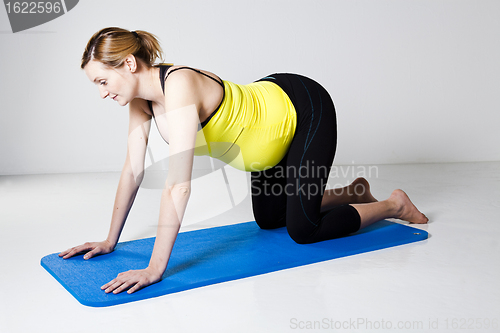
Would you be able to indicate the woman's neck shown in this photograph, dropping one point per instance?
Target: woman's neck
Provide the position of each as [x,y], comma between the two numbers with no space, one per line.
[149,87]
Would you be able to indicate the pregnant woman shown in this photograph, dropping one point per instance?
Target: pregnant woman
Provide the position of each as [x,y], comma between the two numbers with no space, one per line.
[281,128]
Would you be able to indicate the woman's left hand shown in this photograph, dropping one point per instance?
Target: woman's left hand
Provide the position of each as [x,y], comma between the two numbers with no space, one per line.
[134,280]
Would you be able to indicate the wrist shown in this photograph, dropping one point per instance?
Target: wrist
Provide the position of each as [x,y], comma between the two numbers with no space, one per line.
[155,270]
[112,244]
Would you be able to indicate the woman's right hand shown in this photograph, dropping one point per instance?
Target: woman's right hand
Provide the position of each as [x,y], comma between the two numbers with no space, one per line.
[92,249]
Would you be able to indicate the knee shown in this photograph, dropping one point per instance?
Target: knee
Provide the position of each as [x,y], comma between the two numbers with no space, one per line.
[269,222]
[264,224]
[269,217]
[300,235]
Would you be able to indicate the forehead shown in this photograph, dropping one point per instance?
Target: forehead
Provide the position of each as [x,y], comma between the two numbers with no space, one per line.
[96,70]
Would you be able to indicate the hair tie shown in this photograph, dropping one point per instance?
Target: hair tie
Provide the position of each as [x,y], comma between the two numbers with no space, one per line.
[135,34]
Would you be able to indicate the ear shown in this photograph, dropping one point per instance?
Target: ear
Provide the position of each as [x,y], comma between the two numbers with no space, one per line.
[131,63]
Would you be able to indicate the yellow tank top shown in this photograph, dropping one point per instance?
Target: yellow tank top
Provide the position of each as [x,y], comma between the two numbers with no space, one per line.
[252,129]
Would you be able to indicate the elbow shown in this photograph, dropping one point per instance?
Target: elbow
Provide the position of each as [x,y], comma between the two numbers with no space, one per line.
[184,191]
[138,178]
[178,187]
[181,190]
[135,175]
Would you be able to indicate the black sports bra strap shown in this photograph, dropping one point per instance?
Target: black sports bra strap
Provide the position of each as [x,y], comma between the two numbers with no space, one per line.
[150,104]
[163,70]
[164,76]
[193,69]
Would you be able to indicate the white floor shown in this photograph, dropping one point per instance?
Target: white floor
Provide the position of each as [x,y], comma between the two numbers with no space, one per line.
[449,282]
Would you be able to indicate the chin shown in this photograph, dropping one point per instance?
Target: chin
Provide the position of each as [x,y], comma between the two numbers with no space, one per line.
[123,103]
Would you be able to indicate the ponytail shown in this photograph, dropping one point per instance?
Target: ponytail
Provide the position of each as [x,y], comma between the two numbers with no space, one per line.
[112,45]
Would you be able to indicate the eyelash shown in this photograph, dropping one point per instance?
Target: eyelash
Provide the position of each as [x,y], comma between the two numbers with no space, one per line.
[102,83]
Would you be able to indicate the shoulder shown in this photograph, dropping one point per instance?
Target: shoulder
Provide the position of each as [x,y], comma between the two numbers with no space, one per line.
[180,78]
[184,83]
[181,73]
[193,85]
[189,75]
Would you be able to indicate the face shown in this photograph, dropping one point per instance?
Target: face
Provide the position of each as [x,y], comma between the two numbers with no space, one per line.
[115,83]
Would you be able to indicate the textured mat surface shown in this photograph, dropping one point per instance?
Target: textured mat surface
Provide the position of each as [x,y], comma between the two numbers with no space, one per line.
[214,255]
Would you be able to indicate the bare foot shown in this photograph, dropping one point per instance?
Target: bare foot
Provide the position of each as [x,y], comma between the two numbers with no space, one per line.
[361,188]
[406,210]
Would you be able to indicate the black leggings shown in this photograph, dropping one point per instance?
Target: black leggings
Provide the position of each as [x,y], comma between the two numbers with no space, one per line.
[290,193]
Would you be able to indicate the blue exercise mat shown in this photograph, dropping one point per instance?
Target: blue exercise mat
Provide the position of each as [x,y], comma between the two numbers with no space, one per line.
[214,255]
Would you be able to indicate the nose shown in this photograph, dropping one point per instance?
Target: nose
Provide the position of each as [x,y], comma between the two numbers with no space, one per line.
[103,93]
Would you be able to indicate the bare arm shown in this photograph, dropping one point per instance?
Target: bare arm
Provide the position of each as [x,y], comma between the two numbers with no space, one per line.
[130,180]
[177,189]
[182,121]
[132,172]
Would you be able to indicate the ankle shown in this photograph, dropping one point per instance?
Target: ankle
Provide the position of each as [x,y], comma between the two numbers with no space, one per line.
[394,208]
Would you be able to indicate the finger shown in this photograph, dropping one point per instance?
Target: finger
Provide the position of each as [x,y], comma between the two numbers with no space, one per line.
[120,278]
[107,285]
[125,285]
[92,253]
[69,253]
[112,287]
[63,253]
[73,252]
[81,249]
[116,284]
[137,286]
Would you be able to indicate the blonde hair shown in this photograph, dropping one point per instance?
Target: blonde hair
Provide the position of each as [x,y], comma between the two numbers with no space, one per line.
[112,45]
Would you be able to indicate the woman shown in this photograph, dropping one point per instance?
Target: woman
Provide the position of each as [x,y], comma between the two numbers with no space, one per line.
[281,128]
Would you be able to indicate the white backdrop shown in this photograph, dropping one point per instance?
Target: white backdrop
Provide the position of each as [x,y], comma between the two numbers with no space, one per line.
[413,81]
